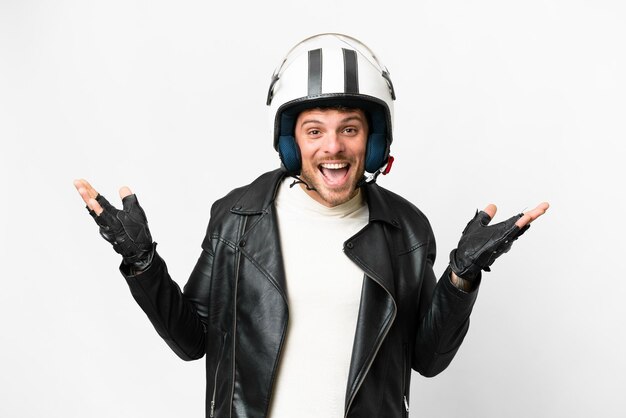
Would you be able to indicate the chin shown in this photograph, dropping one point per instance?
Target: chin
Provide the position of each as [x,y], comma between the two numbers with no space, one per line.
[335,198]
[328,195]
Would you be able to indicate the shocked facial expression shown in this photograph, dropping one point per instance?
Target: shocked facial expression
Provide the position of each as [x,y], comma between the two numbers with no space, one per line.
[332,146]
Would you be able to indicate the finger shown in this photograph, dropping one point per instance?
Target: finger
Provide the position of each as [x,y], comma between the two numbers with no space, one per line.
[85,184]
[95,206]
[491,210]
[533,214]
[83,193]
[125,191]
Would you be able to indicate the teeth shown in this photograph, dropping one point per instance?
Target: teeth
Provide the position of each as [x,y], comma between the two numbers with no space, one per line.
[335,166]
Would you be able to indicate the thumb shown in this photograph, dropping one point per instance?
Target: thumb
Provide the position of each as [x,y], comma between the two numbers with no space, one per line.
[125,191]
[490,210]
[128,199]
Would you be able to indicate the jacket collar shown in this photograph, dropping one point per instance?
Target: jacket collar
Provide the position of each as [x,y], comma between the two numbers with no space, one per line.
[379,209]
[257,198]
[259,194]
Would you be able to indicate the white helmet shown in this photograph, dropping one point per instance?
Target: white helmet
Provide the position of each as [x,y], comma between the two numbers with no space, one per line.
[331,69]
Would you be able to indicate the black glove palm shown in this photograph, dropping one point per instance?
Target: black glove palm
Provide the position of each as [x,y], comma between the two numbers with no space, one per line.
[127,230]
[482,243]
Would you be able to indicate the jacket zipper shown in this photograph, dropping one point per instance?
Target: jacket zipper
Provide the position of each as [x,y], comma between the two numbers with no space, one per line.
[217,369]
[406,363]
[242,231]
[280,350]
[369,365]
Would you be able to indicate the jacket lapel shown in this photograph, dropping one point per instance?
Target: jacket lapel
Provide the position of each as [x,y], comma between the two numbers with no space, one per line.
[261,241]
[371,251]
[262,246]
[378,309]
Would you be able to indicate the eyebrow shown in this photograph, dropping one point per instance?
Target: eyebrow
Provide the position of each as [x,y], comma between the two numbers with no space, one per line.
[344,120]
[310,121]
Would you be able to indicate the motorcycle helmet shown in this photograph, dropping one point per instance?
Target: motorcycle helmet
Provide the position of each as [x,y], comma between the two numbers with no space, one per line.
[325,70]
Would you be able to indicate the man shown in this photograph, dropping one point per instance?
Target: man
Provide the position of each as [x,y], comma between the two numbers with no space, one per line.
[315,300]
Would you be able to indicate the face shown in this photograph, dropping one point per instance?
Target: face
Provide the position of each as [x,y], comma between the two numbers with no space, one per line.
[332,145]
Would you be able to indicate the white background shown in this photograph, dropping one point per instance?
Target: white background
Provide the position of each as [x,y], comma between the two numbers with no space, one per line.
[498,101]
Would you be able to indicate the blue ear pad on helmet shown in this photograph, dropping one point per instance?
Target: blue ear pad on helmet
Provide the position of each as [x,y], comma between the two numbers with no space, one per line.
[289,153]
[377,149]
[288,150]
[375,152]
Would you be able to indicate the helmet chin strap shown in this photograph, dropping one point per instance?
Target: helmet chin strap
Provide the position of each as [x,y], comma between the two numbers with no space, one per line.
[371,179]
[368,179]
[298,180]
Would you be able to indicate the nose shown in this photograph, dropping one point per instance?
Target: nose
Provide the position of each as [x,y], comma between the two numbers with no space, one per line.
[333,143]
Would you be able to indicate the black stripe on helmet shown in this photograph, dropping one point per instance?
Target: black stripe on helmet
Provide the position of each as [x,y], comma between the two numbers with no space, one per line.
[350,71]
[315,72]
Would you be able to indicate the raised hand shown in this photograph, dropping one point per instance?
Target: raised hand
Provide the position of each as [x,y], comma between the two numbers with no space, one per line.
[481,243]
[127,229]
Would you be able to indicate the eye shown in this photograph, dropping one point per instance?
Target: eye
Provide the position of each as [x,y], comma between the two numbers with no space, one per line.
[313,132]
[350,130]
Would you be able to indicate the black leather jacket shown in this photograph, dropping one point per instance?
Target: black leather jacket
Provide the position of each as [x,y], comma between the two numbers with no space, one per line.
[234,306]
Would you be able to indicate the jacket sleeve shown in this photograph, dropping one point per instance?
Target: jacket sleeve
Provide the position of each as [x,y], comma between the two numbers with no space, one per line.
[180,319]
[443,320]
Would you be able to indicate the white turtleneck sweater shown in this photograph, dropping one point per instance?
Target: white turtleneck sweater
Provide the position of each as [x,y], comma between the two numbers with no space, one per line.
[324,291]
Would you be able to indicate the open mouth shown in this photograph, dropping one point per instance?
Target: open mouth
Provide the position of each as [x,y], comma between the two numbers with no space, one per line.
[335,174]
